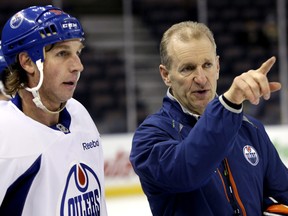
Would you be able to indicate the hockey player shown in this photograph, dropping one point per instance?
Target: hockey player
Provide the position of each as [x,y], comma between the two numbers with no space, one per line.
[200,154]
[45,166]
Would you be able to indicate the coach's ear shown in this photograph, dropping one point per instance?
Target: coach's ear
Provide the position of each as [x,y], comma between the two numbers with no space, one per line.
[218,65]
[165,75]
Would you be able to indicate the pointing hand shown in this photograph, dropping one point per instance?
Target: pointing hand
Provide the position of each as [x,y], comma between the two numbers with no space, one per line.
[252,85]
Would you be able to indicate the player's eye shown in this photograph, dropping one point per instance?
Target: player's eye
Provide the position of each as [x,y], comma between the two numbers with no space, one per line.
[62,53]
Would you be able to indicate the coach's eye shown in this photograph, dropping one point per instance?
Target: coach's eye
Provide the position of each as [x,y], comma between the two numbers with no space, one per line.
[208,65]
[188,68]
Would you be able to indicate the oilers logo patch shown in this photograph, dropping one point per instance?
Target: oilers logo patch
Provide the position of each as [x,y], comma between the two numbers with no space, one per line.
[16,20]
[82,193]
[251,155]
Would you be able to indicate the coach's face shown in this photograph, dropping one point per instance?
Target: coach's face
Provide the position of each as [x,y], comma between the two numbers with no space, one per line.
[193,74]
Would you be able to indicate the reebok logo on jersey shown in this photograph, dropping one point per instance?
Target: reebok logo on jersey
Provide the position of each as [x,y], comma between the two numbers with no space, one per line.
[89,145]
[82,193]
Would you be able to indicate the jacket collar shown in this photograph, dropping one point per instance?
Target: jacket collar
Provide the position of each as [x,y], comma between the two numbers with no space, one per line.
[171,97]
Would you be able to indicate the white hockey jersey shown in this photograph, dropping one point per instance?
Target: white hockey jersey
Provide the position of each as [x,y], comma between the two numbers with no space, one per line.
[47,171]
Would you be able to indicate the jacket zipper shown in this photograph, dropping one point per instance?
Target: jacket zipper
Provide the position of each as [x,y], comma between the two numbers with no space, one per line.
[234,198]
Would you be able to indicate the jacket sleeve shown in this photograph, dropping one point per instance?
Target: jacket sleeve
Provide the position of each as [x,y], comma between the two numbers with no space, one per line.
[176,164]
[276,175]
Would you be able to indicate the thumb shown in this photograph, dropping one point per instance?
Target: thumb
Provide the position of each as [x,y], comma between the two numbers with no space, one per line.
[274,86]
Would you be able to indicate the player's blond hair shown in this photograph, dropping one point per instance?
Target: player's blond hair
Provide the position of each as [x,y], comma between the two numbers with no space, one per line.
[14,79]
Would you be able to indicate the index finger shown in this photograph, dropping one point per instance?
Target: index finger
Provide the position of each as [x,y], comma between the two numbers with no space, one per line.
[266,66]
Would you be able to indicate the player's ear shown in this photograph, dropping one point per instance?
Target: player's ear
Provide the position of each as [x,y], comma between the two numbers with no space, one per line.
[26,63]
[165,75]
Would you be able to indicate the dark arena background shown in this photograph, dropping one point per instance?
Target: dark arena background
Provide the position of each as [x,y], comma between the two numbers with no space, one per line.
[121,84]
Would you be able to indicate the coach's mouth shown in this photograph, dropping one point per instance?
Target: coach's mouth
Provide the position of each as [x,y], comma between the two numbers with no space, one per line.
[201,93]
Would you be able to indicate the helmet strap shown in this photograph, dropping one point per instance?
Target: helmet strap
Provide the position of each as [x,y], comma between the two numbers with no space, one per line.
[35,92]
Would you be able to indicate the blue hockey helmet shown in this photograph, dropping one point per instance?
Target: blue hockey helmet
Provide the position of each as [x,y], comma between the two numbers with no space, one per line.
[35,27]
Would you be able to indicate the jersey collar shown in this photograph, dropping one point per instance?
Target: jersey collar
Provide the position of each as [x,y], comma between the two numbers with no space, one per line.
[64,117]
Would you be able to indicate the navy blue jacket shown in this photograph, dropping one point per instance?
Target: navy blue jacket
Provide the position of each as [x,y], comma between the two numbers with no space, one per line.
[220,164]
